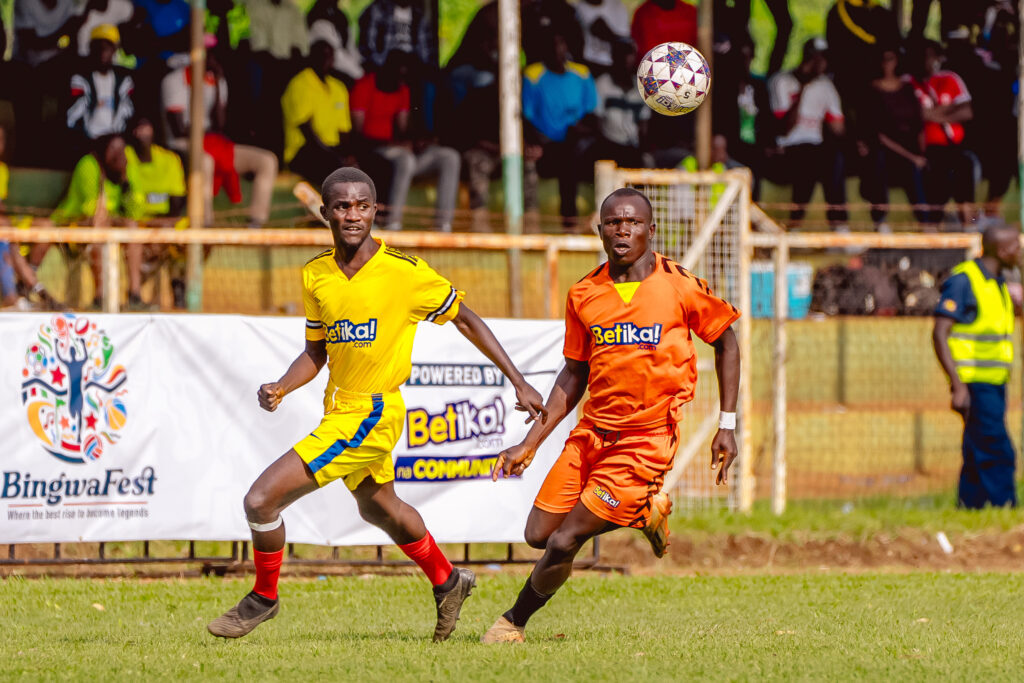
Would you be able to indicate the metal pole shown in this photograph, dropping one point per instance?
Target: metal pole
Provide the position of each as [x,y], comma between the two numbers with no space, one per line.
[510,86]
[705,43]
[196,181]
[1020,143]
[746,403]
[781,262]
[1020,110]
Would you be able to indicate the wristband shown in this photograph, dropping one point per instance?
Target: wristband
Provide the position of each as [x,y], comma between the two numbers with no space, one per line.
[726,420]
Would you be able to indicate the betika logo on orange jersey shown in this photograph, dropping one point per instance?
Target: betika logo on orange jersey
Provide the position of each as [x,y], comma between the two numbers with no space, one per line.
[622,334]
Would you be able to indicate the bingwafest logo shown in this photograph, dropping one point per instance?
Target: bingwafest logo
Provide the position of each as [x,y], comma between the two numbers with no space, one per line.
[73,390]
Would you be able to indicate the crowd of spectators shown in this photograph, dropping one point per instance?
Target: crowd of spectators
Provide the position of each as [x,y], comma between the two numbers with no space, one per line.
[94,83]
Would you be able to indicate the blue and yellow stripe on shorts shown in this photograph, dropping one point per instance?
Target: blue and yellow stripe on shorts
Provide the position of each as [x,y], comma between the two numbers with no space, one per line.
[355,439]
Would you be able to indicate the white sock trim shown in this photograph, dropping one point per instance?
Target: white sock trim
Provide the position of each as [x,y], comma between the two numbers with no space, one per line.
[269,526]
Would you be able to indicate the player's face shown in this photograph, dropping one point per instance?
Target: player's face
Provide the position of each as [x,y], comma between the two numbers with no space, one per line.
[626,230]
[349,209]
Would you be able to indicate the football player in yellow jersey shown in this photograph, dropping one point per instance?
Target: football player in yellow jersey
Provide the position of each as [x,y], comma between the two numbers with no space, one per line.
[363,300]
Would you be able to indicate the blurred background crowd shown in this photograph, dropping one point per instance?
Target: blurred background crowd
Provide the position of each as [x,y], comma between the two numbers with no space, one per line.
[307,90]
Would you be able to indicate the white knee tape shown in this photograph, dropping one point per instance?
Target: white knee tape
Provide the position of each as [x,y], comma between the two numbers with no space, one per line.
[269,526]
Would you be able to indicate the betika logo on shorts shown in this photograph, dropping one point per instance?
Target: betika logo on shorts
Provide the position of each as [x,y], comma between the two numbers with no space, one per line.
[624,334]
[606,497]
[357,334]
[457,422]
[73,391]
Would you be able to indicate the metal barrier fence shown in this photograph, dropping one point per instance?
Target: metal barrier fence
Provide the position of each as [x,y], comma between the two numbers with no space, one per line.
[257,271]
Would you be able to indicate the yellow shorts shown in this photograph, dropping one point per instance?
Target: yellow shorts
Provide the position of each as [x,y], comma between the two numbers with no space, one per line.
[355,439]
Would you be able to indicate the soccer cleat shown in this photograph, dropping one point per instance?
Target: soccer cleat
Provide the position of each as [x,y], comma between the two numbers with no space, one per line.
[449,604]
[503,631]
[656,530]
[249,613]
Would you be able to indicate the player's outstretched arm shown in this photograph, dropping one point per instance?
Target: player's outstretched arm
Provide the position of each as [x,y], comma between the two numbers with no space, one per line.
[475,330]
[567,392]
[727,369]
[302,369]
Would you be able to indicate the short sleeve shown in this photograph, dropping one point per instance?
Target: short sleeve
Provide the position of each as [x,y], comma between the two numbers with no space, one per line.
[435,300]
[959,89]
[175,176]
[296,103]
[82,195]
[361,93]
[956,300]
[314,323]
[174,93]
[780,93]
[577,336]
[589,95]
[833,106]
[707,315]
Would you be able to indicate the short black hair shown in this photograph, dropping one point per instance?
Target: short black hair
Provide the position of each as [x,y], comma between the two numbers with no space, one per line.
[628,192]
[348,174]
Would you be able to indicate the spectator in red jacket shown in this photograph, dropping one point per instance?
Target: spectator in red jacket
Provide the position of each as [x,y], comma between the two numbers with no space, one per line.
[381,116]
[946,106]
[661,21]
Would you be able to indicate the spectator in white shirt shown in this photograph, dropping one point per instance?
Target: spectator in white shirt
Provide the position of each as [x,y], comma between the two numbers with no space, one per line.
[223,161]
[101,93]
[603,22]
[804,102]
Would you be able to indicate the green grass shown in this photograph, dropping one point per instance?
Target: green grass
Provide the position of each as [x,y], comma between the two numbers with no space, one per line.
[861,518]
[867,627]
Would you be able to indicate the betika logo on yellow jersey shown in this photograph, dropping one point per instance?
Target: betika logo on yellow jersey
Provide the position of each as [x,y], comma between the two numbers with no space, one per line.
[346,331]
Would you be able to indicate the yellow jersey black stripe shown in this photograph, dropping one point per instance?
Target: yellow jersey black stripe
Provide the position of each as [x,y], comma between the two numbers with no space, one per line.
[320,255]
[391,251]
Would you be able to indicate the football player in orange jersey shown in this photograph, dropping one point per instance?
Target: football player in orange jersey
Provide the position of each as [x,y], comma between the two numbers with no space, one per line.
[628,339]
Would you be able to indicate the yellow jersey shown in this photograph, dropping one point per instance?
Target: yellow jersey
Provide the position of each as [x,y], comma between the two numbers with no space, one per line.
[369,321]
[323,103]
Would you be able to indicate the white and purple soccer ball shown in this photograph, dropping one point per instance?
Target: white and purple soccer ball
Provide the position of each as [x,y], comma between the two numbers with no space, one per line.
[673,78]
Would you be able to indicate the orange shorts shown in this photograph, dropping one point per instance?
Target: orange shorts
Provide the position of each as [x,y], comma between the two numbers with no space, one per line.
[614,479]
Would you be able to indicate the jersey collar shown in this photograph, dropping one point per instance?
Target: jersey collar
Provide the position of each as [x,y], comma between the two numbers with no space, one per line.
[373,259]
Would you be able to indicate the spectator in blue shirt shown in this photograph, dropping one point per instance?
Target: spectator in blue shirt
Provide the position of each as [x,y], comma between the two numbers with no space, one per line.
[559,99]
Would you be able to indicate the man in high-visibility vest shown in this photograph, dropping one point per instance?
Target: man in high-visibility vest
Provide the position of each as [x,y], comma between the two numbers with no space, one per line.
[973,341]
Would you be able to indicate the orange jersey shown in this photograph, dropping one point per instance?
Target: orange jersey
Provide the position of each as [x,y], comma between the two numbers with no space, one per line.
[643,366]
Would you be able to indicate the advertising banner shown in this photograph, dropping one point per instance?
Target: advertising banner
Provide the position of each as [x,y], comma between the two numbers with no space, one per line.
[139,427]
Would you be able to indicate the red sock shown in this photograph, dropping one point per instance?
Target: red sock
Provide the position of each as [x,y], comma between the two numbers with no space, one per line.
[268,568]
[429,557]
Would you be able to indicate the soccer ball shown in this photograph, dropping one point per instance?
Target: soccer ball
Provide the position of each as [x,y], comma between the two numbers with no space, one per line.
[673,78]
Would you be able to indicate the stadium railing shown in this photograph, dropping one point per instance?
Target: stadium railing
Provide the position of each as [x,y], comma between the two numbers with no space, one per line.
[257,271]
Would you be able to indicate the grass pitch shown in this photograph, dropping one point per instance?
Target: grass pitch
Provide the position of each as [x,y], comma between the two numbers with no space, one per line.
[814,626]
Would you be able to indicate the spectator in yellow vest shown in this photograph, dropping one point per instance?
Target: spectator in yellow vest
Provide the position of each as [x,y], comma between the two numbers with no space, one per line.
[973,339]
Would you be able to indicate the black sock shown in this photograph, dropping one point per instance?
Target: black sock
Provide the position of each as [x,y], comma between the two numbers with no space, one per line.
[528,602]
[448,584]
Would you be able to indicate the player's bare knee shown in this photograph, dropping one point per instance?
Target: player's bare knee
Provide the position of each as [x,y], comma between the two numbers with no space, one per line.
[562,544]
[259,507]
[536,538]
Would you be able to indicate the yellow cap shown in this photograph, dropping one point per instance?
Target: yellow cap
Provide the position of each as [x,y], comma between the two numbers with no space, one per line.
[106,32]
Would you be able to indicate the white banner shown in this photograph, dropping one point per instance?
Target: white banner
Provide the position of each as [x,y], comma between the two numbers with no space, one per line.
[137,427]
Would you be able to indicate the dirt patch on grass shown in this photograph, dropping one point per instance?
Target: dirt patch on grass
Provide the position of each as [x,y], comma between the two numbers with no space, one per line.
[910,549]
